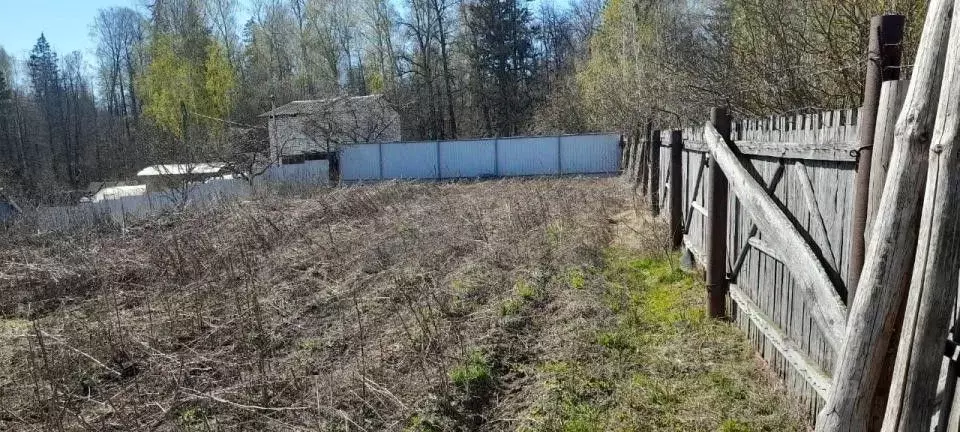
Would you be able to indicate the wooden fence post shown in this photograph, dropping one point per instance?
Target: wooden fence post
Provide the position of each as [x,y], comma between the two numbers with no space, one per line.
[883,52]
[873,314]
[892,96]
[933,287]
[643,175]
[655,172]
[635,154]
[676,187]
[624,153]
[717,283]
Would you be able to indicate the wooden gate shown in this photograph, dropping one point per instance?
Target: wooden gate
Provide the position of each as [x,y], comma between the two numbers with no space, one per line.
[806,163]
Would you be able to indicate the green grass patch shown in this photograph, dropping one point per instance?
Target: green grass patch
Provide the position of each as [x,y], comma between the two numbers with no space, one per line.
[660,364]
[474,374]
[420,423]
[576,278]
[193,418]
[524,293]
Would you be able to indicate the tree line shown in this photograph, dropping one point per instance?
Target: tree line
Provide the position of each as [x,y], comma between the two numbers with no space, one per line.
[177,80]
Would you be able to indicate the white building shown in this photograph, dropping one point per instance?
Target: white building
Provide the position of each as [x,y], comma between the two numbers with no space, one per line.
[157,178]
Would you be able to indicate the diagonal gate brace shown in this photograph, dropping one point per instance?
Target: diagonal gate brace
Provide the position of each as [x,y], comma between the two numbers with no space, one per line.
[826,307]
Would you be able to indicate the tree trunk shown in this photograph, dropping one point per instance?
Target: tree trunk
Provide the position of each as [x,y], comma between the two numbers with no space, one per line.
[446,68]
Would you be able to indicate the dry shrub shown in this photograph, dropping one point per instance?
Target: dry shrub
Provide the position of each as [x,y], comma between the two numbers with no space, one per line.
[344,310]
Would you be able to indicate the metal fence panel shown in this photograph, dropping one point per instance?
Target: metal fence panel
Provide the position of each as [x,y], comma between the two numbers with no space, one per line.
[589,154]
[414,160]
[468,159]
[502,157]
[360,162]
[528,156]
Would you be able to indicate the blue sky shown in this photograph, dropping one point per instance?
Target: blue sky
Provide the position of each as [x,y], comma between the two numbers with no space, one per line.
[66,24]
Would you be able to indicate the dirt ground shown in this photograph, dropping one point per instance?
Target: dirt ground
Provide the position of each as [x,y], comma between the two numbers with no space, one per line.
[500,305]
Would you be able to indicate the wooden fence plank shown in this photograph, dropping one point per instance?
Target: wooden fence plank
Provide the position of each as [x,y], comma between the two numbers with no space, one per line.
[752,231]
[811,373]
[697,182]
[828,151]
[809,196]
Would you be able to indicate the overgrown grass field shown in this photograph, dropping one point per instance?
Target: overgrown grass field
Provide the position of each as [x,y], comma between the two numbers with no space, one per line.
[530,305]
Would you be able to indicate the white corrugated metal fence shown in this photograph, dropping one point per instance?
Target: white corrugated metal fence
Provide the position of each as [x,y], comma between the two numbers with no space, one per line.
[496,157]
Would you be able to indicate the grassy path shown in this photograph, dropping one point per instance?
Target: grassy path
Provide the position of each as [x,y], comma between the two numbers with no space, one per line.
[659,364]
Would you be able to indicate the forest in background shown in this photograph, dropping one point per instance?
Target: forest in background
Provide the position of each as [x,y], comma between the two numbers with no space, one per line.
[183,80]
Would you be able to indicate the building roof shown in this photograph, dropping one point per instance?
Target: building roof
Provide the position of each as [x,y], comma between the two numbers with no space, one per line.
[119,192]
[182,169]
[319,106]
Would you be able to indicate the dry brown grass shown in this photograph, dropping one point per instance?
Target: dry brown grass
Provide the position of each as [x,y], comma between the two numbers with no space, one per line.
[365,308]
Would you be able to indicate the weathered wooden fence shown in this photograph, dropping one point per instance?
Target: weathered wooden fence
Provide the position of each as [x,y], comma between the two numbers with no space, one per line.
[830,237]
[807,164]
[804,169]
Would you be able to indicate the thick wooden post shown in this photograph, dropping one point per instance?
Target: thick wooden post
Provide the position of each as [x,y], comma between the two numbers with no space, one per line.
[933,288]
[717,283]
[644,173]
[892,95]
[883,53]
[676,187]
[624,154]
[655,172]
[890,256]
[625,159]
[640,165]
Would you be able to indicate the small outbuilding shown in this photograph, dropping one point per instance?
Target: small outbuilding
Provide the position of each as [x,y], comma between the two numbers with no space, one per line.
[97,187]
[158,178]
[117,192]
[314,129]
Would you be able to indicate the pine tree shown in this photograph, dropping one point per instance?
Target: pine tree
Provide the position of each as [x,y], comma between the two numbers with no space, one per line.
[45,79]
[503,58]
